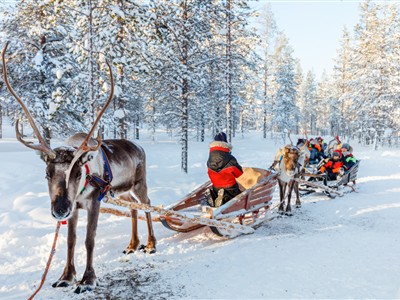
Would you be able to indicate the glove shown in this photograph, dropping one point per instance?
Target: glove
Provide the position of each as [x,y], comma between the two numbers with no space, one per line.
[341,171]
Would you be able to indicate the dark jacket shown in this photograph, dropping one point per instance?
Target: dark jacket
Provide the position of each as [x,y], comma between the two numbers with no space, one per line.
[349,160]
[223,168]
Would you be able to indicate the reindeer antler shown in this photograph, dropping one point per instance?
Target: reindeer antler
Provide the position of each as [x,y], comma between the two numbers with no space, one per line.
[291,142]
[83,148]
[305,133]
[42,146]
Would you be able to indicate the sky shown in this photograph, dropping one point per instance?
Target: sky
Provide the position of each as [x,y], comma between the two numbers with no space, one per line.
[314,28]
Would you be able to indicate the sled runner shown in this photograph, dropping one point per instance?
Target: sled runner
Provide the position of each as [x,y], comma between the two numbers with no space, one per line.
[240,215]
[318,183]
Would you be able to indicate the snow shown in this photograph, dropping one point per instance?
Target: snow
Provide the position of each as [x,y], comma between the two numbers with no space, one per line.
[347,247]
[119,113]
[38,59]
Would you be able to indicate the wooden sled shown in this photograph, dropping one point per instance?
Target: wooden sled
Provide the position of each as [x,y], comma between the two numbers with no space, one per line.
[318,183]
[241,214]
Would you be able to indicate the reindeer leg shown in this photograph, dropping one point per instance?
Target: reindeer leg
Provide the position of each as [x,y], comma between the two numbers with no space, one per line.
[141,191]
[151,239]
[68,277]
[288,206]
[134,243]
[296,189]
[282,192]
[89,281]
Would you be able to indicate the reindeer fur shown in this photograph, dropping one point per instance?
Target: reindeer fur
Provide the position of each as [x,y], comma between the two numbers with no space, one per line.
[128,164]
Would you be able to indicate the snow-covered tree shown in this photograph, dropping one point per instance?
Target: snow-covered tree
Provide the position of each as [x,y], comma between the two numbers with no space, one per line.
[285,108]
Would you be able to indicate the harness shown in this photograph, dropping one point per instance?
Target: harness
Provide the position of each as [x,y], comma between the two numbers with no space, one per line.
[102,184]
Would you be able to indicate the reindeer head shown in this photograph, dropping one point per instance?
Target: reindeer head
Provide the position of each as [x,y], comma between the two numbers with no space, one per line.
[63,172]
[290,159]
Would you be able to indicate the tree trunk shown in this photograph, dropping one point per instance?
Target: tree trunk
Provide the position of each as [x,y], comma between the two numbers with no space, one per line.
[229,115]
[91,67]
[137,123]
[185,100]
[1,121]
[185,124]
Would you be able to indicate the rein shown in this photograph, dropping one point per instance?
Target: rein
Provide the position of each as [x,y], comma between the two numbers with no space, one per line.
[53,250]
[102,184]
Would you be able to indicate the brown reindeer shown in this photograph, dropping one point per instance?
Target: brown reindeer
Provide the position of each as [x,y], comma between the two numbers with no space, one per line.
[81,173]
[289,168]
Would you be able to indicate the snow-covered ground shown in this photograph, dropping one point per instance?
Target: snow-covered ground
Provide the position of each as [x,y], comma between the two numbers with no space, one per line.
[346,247]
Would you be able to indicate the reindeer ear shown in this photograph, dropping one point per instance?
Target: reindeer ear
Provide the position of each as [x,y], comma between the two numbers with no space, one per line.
[44,157]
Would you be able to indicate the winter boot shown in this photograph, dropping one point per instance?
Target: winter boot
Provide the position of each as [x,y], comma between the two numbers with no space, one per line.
[208,197]
[220,197]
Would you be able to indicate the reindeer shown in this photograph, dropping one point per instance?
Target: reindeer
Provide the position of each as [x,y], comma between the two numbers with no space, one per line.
[290,161]
[79,175]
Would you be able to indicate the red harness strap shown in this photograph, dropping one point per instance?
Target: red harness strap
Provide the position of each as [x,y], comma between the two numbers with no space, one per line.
[87,180]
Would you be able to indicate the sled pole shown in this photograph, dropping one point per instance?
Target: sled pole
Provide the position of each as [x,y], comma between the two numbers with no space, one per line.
[120,213]
[183,217]
[326,188]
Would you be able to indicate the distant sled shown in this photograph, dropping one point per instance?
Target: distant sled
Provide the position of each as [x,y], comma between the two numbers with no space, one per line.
[318,183]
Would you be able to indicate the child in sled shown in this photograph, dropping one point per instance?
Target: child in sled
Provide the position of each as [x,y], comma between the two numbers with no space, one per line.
[334,167]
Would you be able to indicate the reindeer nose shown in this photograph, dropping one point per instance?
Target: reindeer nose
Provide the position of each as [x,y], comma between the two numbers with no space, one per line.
[61,209]
[61,214]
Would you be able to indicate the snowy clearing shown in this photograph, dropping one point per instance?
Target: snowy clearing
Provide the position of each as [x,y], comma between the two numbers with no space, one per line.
[341,248]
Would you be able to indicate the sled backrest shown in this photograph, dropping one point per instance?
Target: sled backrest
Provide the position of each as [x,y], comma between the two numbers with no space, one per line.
[350,176]
[257,187]
[251,176]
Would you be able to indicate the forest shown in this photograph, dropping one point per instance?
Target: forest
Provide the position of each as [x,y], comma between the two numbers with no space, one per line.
[194,68]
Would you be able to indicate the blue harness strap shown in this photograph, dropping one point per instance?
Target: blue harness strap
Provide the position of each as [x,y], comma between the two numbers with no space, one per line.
[103,184]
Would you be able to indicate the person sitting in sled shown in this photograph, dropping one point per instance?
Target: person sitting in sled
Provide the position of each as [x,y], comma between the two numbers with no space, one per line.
[323,146]
[347,156]
[334,167]
[223,169]
[316,152]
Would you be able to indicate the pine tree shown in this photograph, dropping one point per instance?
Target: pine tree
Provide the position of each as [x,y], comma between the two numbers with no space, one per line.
[285,109]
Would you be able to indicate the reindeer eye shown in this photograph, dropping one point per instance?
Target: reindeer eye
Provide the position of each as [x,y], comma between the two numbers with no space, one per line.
[47,175]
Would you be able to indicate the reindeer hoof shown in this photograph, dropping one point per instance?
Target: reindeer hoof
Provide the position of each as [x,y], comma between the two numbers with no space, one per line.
[298,205]
[145,249]
[128,251]
[61,283]
[289,213]
[83,288]
[86,285]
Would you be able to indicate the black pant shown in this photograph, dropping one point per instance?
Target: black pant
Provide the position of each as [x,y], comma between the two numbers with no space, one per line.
[229,192]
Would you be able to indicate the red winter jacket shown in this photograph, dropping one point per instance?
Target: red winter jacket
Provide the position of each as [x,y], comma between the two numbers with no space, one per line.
[334,166]
[223,168]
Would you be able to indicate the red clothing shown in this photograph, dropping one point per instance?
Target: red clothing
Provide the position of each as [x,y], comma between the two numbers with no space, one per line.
[332,165]
[225,178]
[223,168]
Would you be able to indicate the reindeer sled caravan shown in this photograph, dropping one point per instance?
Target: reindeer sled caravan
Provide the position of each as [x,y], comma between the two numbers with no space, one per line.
[331,170]
[87,171]
[333,173]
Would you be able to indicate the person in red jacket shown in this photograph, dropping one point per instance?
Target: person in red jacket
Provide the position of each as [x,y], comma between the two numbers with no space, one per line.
[223,169]
[334,166]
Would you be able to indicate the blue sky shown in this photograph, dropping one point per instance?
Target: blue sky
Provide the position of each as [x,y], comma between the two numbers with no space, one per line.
[314,28]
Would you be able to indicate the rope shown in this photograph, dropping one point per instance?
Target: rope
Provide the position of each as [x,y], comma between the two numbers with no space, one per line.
[53,250]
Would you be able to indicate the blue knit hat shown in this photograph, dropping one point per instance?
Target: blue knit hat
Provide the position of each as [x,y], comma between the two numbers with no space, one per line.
[221,137]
